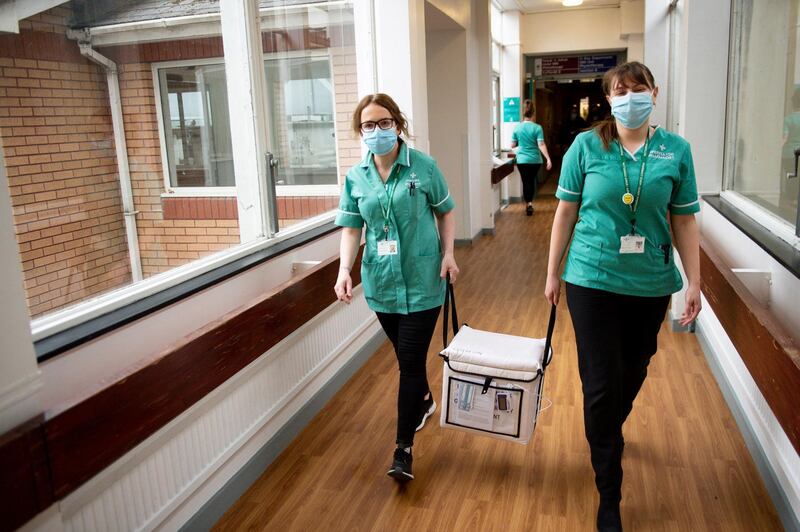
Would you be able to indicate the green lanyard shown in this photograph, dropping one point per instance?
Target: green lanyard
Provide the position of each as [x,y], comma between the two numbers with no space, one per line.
[387,211]
[628,198]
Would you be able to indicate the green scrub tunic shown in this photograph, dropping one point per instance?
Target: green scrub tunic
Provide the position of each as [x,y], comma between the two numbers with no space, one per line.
[408,281]
[593,176]
[528,135]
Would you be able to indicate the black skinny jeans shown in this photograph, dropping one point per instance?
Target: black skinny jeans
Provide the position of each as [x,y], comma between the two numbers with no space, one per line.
[616,337]
[529,173]
[410,335]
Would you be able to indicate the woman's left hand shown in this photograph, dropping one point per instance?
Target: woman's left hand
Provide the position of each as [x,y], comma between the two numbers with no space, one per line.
[549,164]
[693,305]
[449,266]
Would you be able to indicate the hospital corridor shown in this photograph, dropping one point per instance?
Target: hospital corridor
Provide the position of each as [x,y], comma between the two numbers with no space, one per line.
[399,265]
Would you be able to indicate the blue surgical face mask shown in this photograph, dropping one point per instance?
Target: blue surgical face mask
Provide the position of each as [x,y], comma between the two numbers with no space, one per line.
[632,109]
[380,141]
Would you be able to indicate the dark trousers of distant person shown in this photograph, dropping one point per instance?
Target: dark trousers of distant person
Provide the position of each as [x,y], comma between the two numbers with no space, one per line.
[410,335]
[616,336]
[529,174]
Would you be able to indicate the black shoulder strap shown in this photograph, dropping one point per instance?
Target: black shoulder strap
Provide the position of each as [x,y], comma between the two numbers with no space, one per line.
[449,302]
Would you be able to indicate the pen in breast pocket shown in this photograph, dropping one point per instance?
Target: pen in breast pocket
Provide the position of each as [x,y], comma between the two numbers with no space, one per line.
[411,187]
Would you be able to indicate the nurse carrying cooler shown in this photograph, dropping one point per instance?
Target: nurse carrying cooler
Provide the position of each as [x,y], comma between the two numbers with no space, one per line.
[627,193]
[400,195]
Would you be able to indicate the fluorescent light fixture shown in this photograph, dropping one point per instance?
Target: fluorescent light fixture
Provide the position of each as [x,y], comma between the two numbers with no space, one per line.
[571,3]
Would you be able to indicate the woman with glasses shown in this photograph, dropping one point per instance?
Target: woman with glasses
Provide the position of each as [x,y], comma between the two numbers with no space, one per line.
[529,138]
[400,195]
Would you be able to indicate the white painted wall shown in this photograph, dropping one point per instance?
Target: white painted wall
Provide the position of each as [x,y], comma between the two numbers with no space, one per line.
[400,58]
[703,86]
[512,72]
[19,376]
[458,10]
[632,28]
[447,108]
[656,51]
[572,31]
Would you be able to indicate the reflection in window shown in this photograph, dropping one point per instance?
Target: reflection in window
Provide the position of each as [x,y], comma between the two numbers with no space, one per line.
[196,126]
[300,96]
[765,115]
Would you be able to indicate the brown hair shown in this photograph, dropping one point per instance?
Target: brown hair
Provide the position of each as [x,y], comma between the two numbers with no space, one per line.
[385,101]
[628,75]
[527,109]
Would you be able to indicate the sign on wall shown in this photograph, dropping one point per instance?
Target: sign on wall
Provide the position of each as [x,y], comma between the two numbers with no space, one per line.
[511,112]
[573,64]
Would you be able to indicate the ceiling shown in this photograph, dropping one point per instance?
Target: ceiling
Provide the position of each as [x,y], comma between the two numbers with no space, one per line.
[539,6]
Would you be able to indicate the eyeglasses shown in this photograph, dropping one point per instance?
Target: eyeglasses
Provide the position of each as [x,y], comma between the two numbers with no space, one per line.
[383,123]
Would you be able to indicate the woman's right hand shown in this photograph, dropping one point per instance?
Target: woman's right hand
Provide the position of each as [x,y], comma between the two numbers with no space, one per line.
[552,290]
[344,286]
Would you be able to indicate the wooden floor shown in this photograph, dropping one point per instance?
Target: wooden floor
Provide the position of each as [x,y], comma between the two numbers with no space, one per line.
[686,464]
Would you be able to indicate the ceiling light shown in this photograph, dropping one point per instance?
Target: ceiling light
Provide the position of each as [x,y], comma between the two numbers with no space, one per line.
[571,3]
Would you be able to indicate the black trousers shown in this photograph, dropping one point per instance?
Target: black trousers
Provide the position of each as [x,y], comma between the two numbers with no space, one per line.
[529,173]
[616,337]
[410,335]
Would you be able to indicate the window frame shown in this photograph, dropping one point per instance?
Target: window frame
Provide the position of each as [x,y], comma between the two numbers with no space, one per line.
[786,231]
[281,190]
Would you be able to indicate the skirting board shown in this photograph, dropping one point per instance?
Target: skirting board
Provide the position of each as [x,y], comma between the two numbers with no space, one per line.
[786,513]
[215,508]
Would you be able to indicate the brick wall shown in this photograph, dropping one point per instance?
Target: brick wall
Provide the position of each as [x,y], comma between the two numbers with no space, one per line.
[59,154]
[346,90]
[163,243]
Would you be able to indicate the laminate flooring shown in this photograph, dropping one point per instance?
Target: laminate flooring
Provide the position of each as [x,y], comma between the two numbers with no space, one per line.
[686,465]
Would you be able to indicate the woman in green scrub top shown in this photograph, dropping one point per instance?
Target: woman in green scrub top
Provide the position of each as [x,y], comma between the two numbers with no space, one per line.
[529,137]
[400,195]
[626,190]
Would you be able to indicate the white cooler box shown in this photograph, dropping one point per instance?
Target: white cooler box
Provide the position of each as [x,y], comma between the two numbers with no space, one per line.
[492,383]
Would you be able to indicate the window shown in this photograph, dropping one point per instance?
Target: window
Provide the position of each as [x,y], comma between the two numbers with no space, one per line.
[300,91]
[496,115]
[96,232]
[197,135]
[764,112]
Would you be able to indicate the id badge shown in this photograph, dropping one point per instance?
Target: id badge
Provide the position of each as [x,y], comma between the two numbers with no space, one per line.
[387,247]
[631,244]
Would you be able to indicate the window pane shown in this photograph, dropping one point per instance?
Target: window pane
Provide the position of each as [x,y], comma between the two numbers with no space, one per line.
[196,126]
[767,105]
[311,92]
[67,184]
[300,92]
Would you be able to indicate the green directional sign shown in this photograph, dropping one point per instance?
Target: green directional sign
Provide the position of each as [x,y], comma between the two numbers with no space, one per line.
[511,110]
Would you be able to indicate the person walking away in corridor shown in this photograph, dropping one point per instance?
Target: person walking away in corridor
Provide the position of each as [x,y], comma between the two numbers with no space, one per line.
[529,137]
[622,185]
[400,195]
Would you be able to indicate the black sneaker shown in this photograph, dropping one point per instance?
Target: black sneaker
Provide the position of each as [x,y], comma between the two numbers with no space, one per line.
[529,210]
[401,466]
[428,408]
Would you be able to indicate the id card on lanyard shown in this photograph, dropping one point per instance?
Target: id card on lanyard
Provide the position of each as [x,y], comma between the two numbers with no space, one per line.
[386,246]
[633,243]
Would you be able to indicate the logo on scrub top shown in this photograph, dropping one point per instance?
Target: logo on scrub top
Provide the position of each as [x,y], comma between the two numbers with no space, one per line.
[662,153]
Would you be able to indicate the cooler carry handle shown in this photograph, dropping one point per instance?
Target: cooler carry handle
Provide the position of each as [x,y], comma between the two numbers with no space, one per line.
[548,343]
[450,303]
